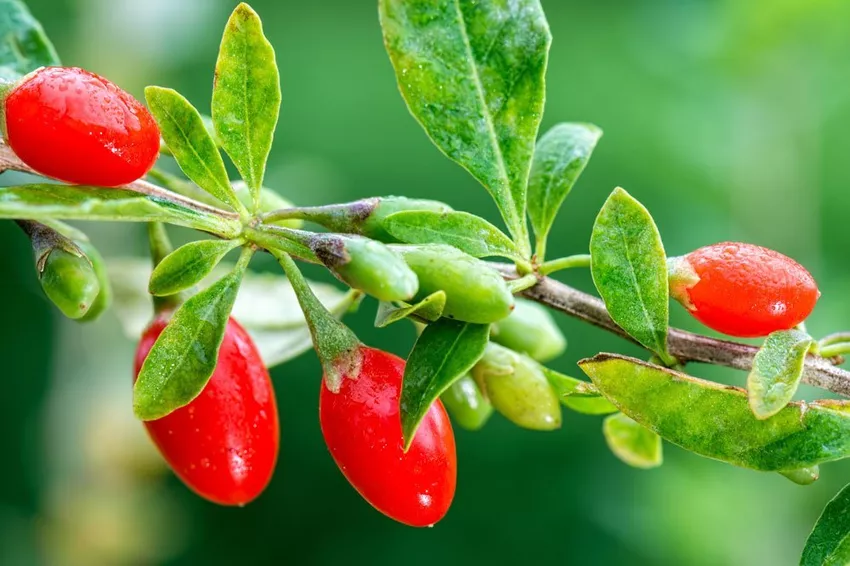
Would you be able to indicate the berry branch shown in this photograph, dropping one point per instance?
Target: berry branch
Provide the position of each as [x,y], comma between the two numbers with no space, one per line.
[11,162]
[685,346]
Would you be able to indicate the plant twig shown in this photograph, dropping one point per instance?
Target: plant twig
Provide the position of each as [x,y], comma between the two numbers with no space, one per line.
[8,160]
[685,346]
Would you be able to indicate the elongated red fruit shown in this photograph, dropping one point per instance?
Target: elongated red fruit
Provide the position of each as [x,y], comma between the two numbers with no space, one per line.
[362,428]
[742,289]
[75,126]
[223,444]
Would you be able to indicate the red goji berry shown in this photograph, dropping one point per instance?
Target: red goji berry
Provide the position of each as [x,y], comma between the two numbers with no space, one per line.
[75,126]
[362,429]
[742,289]
[223,444]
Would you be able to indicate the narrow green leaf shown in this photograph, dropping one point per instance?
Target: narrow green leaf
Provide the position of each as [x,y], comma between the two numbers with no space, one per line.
[444,353]
[829,542]
[266,306]
[246,96]
[472,74]
[190,143]
[188,265]
[629,268]
[427,310]
[577,395]
[559,158]
[185,355]
[24,46]
[464,231]
[632,443]
[776,373]
[715,420]
[45,201]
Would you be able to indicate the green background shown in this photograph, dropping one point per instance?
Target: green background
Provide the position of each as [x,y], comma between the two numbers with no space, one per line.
[728,119]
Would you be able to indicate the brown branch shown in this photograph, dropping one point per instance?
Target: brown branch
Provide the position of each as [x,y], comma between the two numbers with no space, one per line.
[685,346]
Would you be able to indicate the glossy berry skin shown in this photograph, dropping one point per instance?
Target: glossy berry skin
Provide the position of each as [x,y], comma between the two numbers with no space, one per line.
[223,444]
[362,429]
[746,290]
[75,126]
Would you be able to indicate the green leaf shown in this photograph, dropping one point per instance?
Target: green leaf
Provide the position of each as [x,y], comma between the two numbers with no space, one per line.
[246,96]
[444,353]
[629,268]
[577,395]
[472,74]
[188,265]
[715,420]
[632,443]
[185,355]
[266,306]
[427,310]
[45,201]
[559,158]
[829,542]
[464,231]
[24,46]
[776,373]
[190,143]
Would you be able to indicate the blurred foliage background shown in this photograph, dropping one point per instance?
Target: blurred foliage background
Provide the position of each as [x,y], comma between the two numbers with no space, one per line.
[728,119]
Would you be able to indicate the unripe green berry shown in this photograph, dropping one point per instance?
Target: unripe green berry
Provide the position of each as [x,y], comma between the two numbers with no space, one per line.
[531,330]
[366,265]
[362,217]
[372,224]
[474,291]
[517,388]
[466,405]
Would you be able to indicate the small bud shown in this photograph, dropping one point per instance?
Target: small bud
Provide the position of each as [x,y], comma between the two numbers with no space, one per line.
[466,405]
[530,329]
[69,280]
[363,217]
[803,476]
[474,291]
[366,265]
[66,274]
[104,297]
[517,388]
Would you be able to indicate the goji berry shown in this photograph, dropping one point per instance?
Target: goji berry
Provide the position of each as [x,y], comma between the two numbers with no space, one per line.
[78,127]
[742,289]
[223,444]
[362,429]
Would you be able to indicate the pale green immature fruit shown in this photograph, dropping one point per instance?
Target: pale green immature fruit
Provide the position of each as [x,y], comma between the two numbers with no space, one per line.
[362,217]
[373,224]
[70,282]
[466,404]
[530,329]
[104,297]
[803,476]
[474,291]
[517,388]
[366,265]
